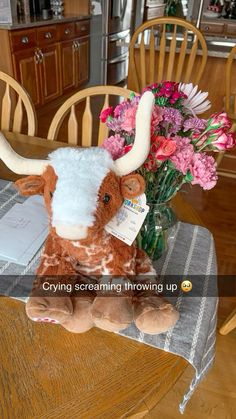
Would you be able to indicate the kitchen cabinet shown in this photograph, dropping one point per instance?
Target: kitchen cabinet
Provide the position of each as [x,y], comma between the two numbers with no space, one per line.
[82,61]
[74,63]
[49,60]
[26,71]
[218,27]
[212,26]
[49,65]
[68,65]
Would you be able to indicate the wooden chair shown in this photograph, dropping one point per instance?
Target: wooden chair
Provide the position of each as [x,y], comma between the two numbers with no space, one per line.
[69,106]
[229,324]
[230,108]
[12,109]
[166,49]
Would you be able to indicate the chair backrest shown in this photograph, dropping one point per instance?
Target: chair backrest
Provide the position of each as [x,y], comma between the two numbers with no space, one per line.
[69,106]
[230,95]
[166,49]
[15,100]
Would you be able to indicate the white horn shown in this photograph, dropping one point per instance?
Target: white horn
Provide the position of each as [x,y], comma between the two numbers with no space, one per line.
[18,164]
[140,150]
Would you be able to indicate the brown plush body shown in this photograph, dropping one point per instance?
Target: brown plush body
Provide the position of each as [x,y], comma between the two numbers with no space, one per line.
[102,257]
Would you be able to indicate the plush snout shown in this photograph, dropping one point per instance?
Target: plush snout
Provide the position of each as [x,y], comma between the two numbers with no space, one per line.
[71,232]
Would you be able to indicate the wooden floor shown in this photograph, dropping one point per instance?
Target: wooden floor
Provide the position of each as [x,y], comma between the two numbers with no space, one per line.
[215,397]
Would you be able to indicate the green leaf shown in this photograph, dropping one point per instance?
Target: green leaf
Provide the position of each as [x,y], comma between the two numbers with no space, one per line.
[161,101]
[188,177]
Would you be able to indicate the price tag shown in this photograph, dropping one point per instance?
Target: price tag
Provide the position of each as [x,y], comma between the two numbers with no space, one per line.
[126,224]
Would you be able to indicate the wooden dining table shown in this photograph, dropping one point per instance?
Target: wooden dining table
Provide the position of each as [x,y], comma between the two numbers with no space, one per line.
[47,372]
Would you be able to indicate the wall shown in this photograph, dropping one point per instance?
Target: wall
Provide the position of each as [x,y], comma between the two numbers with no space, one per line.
[77,7]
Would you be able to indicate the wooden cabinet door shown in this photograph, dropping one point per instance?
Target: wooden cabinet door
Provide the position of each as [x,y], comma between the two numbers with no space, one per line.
[26,69]
[68,65]
[50,72]
[82,60]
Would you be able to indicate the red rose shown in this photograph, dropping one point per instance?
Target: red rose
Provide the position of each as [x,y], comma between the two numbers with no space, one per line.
[166,149]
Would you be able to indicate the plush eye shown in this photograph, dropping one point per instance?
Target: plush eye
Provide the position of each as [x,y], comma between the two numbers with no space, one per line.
[51,194]
[106,198]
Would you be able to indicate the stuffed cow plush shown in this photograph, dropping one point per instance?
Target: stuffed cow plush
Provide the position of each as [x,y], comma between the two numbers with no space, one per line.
[83,190]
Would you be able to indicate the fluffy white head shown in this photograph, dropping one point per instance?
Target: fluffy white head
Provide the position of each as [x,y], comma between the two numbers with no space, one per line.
[80,175]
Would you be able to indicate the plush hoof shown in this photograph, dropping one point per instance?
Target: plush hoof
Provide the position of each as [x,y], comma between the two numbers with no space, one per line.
[112,313]
[154,315]
[80,321]
[56,309]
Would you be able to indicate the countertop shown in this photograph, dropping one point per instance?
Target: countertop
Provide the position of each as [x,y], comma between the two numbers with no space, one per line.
[32,22]
[216,46]
[219,47]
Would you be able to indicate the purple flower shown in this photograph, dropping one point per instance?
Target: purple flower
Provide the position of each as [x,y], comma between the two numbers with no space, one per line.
[195,124]
[114,145]
[203,170]
[172,120]
[115,124]
[183,154]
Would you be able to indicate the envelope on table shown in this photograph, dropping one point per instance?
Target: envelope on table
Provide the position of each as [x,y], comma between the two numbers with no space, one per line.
[23,230]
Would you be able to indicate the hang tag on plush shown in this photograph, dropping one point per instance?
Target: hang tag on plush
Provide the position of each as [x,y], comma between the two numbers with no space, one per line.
[127,222]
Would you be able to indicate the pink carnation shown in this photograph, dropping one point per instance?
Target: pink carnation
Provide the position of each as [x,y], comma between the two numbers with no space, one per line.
[128,120]
[114,145]
[106,113]
[183,154]
[203,170]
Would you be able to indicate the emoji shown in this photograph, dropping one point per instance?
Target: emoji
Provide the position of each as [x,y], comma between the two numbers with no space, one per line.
[186,285]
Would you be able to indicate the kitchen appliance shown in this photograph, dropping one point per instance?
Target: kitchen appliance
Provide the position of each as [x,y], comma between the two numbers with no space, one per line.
[112,24]
[116,24]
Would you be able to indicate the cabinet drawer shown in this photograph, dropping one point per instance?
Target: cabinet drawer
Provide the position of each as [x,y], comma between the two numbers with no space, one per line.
[212,27]
[47,35]
[21,40]
[231,29]
[66,31]
[82,28]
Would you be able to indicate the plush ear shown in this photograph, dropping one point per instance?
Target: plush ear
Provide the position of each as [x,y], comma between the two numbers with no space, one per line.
[132,186]
[30,185]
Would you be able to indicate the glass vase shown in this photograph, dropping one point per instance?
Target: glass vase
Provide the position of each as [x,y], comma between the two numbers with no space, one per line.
[158,228]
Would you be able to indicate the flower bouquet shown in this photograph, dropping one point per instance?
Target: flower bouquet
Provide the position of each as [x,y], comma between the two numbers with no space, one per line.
[180,142]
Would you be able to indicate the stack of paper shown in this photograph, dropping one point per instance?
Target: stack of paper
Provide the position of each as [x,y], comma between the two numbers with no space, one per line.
[23,229]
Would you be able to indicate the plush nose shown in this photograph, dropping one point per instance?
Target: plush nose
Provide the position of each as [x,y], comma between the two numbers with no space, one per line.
[71,232]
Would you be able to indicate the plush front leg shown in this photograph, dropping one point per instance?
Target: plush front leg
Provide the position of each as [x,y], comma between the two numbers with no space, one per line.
[112,310]
[81,320]
[58,306]
[112,313]
[154,315]
[49,309]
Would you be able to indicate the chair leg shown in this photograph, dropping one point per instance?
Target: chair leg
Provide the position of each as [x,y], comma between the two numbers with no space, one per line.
[229,324]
